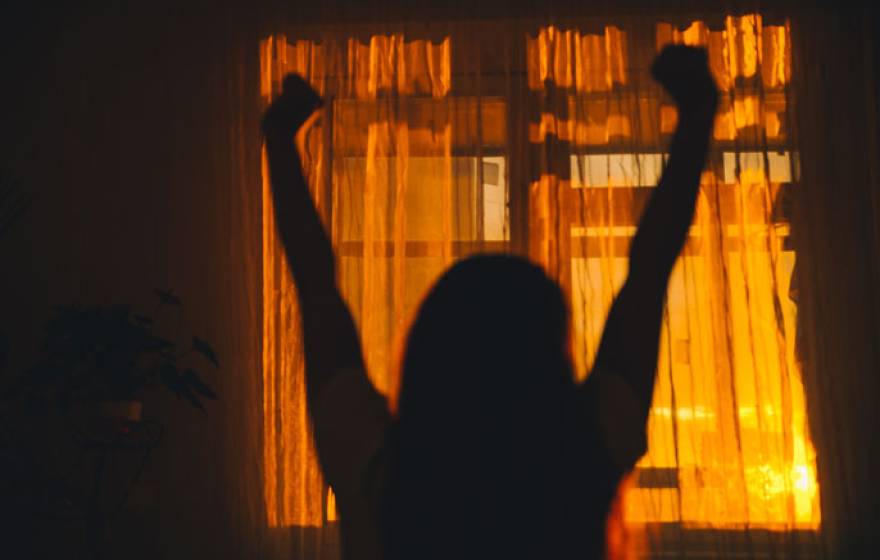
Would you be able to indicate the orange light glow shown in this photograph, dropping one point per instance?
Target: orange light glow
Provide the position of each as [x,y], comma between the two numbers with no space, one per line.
[728,418]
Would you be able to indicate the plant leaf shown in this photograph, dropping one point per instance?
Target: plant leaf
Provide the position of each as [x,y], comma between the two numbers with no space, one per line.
[205,350]
[192,379]
[191,397]
[177,384]
[171,378]
[167,297]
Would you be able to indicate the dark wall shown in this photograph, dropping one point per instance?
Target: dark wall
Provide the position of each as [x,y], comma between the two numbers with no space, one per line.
[116,119]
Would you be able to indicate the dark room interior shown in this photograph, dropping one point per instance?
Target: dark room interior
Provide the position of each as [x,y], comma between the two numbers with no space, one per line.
[136,203]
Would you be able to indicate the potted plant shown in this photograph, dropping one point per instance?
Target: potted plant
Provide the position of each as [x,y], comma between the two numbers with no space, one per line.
[101,360]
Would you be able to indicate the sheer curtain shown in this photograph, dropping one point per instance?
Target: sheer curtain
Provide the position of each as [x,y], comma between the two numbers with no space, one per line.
[544,137]
[836,234]
[381,168]
[729,448]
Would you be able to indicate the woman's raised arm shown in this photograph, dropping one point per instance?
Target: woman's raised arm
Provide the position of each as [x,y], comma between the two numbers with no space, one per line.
[329,335]
[631,336]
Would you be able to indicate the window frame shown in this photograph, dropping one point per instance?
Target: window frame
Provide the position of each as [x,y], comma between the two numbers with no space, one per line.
[698,542]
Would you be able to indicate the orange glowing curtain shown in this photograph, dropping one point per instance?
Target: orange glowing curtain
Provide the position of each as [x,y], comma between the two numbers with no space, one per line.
[292,485]
[728,440]
[729,448]
[381,175]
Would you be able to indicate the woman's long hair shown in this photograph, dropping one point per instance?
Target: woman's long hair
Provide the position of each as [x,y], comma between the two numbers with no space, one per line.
[478,467]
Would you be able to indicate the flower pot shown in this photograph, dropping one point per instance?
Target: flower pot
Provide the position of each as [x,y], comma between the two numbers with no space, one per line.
[130,411]
[101,422]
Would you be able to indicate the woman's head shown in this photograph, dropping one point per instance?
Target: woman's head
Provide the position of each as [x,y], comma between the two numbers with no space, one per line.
[490,321]
[482,408]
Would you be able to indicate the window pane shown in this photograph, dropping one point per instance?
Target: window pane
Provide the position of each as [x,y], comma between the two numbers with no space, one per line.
[435,198]
[616,170]
[752,164]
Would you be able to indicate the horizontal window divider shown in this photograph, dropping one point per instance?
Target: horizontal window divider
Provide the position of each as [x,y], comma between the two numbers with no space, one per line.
[423,249]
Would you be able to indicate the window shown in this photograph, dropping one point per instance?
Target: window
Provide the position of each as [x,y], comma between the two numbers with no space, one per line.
[432,149]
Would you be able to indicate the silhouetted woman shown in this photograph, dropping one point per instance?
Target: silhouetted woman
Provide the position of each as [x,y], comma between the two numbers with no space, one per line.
[495,452]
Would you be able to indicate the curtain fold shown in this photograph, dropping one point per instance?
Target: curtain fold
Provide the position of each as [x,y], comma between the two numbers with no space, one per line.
[729,448]
[380,168]
[836,230]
